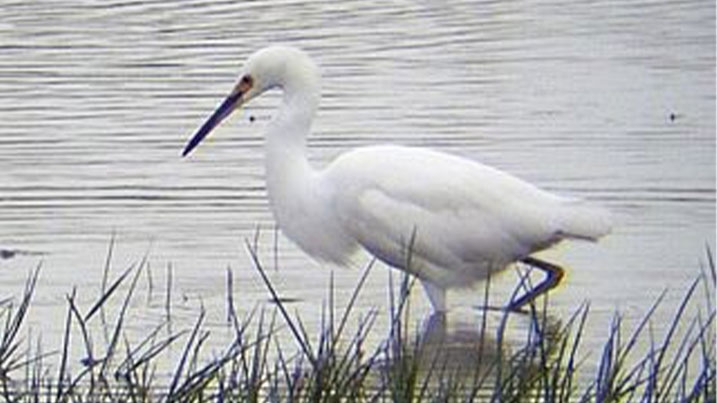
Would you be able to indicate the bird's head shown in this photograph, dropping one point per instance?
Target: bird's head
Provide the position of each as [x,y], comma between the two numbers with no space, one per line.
[272,67]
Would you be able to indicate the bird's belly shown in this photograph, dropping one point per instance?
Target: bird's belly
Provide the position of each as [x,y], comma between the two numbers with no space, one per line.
[437,267]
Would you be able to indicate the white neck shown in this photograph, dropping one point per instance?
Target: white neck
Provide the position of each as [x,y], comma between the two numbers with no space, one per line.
[287,164]
[288,172]
[299,198]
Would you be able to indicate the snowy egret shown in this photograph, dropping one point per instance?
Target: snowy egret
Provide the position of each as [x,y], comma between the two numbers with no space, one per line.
[449,221]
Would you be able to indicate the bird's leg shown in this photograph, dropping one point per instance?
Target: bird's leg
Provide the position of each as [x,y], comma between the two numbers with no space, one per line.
[554,276]
[436,295]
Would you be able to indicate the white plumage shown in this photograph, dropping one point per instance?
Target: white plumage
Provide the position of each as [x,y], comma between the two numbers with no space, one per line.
[461,220]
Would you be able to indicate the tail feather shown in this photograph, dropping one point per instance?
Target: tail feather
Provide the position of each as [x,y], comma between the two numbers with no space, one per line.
[582,220]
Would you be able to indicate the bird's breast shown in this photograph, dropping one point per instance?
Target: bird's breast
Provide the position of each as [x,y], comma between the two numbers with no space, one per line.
[304,211]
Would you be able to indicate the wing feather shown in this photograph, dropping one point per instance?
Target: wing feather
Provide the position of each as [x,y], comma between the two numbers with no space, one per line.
[465,216]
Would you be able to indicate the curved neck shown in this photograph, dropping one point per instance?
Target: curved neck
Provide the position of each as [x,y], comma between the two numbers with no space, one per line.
[299,196]
[288,130]
[299,80]
[288,173]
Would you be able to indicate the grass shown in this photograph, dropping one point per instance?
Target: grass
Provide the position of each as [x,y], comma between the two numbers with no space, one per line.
[338,364]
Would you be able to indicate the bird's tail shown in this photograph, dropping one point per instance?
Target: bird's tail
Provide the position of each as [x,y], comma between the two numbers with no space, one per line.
[583,220]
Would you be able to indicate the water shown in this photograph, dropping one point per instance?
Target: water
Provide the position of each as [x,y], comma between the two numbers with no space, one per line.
[609,101]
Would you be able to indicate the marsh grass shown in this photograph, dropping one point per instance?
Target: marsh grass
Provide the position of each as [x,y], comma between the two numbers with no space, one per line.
[338,364]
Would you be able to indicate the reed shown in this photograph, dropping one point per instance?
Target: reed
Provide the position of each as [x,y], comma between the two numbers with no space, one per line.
[338,364]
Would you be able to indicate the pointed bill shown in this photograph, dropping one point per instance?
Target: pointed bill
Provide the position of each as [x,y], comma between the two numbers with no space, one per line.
[225,109]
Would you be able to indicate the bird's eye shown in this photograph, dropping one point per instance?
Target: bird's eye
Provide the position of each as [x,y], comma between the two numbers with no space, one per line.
[246,82]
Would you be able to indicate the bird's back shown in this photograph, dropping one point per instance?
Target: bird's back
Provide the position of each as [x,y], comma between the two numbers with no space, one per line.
[452,212]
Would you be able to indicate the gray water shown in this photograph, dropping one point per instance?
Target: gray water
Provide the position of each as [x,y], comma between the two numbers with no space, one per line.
[610,101]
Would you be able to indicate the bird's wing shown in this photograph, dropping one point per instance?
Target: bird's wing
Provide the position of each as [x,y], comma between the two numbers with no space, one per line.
[451,211]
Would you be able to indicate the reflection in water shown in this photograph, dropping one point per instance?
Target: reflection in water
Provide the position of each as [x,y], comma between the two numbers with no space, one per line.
[471,353]
[463,350]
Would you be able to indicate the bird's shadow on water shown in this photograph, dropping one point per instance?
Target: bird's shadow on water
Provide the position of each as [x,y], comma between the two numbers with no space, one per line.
[471,349]
[460,347]
[481,343]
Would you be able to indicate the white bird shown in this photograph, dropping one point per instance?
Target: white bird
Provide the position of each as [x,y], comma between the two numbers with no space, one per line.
[447,220]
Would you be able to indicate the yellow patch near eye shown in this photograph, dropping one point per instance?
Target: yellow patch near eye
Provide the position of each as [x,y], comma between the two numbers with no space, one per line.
[245,84]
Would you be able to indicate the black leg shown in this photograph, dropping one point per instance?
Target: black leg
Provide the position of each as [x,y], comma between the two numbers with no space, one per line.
[554,274]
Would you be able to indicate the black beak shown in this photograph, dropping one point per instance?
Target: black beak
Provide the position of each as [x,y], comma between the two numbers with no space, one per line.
[225,109]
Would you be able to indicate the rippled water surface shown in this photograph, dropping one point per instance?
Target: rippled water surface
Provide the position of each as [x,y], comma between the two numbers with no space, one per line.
[611,101]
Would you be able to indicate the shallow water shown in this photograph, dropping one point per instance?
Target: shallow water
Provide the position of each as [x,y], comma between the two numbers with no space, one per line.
[608,101]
